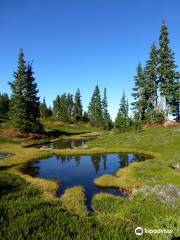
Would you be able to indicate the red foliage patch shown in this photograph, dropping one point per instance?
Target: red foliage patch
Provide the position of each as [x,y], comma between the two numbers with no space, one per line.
[14,134]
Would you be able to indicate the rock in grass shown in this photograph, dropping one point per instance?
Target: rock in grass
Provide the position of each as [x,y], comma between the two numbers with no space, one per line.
[176,166]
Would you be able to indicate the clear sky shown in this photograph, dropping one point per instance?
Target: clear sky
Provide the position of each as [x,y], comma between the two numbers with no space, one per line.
[81,43]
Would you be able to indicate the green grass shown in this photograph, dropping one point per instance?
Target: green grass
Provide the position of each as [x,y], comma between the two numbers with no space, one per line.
[25,215]
[73,200]
[30,210]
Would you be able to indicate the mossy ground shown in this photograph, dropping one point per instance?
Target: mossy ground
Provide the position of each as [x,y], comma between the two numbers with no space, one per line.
[30,210]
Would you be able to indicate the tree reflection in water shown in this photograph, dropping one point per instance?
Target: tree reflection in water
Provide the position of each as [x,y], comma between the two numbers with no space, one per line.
[81,170]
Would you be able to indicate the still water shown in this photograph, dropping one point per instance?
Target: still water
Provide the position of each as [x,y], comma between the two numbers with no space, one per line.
[5,155]
[64,144]
[81,170]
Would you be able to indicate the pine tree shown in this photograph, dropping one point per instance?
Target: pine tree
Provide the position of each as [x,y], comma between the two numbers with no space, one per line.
[106,116]
[122,120]
[24,106]
[4,104]
[168,77]
[139,105]
[78,109]
[95,109]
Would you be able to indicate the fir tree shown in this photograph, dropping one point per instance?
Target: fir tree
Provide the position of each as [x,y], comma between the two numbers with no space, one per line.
[78,109]
[45,112]
[85,117]
[151,77]
[24,106]
[106,116]
[4,104]
[63,107]
[70,105]
[56,103]
[95,109]
[168,77]
[32,101]
[174,101]
[18,114]
[122,120]
[139,105]
[151,84]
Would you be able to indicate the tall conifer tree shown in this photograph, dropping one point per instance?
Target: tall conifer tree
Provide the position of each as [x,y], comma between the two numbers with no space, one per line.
[139,105]
[24,106]
[122,120]
[32,101]
[95,109]
[168,77]
[106,116]
[45,111]
[4,104]
[18,114]
[78,109]
[151,78]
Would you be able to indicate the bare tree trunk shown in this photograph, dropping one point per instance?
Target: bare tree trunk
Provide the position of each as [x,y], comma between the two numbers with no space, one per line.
[163,104]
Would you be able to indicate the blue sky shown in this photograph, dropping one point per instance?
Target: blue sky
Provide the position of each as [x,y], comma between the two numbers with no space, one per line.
[81,43]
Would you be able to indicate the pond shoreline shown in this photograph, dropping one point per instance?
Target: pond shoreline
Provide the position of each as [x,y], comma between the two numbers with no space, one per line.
[78,170]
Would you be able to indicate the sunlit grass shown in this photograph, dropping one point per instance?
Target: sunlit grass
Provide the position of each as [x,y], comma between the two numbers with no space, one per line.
[162,143]
[73,200]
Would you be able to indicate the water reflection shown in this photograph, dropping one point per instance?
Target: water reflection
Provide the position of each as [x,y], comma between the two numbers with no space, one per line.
[81,170]
[64,144]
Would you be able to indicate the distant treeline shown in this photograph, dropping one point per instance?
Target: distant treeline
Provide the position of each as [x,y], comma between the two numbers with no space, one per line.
[156,95]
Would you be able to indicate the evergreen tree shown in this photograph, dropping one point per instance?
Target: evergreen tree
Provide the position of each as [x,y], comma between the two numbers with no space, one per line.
[140,103]
[56,103]
[32,101]
[78,109]
[24,106]
[95,109]
[63,107]
[122,120]
[106,116]
[168,77]
[4,104]
[151,84]
[174,101]
[18,114]
[151,77]
[85,117]
[45,112]
[70,105]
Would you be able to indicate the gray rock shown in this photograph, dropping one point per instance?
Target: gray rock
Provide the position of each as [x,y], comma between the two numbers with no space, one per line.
[175,166]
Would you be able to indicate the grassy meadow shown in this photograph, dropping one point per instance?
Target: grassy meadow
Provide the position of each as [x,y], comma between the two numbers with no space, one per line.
[29,208]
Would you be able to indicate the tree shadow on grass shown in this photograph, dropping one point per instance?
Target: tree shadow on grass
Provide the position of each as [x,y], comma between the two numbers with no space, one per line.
[9,183]
[57,133]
